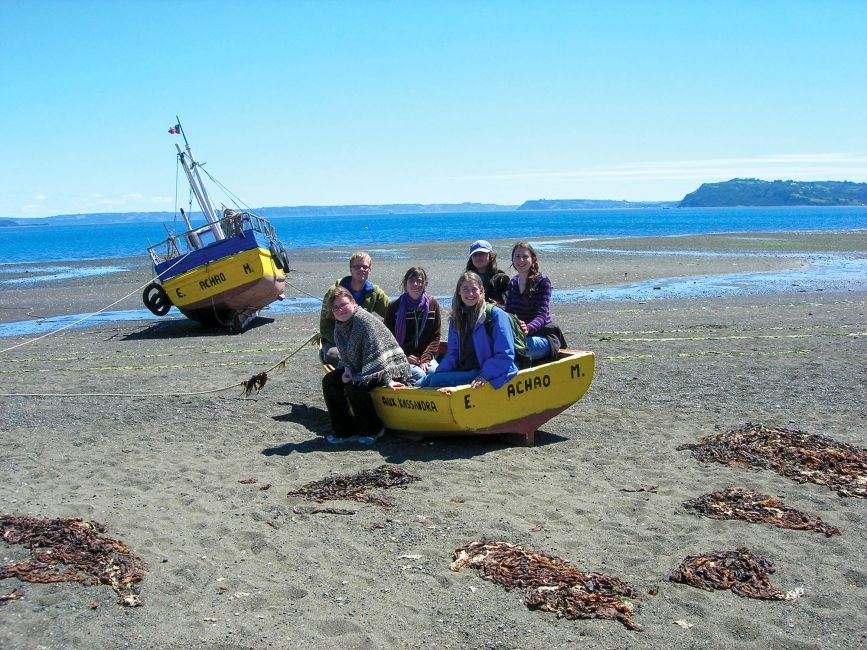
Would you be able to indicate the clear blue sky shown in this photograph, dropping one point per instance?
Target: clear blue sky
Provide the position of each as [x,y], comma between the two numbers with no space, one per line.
[330,102]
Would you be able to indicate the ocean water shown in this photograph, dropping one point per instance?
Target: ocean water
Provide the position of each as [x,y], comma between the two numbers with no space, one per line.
[53,244]
[827,273]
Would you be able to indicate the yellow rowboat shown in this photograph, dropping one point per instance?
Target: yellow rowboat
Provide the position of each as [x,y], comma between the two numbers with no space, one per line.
[516,410]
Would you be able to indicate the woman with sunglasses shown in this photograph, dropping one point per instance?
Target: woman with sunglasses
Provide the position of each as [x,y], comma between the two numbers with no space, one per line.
[364,292]
[369,357]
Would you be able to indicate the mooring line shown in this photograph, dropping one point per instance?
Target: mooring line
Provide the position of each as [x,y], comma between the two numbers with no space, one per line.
[88,316]
[249,386]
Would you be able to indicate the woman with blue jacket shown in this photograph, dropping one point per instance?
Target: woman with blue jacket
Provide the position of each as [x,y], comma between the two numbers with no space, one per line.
[477,354]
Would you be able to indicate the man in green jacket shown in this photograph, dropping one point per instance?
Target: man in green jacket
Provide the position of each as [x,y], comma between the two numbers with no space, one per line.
[366,294]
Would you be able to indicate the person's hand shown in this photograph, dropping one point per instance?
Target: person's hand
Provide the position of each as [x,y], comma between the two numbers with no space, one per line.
[424,366]
[478,381]
[414,360]
[347,376]
[445,390]
[523,326]
[395,384]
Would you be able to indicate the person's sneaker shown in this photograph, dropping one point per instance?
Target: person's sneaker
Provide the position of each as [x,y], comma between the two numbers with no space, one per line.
[334,439]
[369,440]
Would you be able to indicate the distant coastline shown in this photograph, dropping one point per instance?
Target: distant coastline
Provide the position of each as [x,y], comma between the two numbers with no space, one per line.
[266,212]
[592,204]
[738,192]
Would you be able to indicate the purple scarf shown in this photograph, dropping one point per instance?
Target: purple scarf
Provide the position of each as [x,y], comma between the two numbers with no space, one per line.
[407,304]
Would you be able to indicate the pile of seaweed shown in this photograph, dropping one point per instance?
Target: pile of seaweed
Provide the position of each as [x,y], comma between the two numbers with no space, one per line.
[749,505]
[801,456]
[354,486]
[72,550]
[745,573]
[550,583]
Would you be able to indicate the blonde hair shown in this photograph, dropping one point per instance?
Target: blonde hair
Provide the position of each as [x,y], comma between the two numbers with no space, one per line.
[458,304]
[362,257]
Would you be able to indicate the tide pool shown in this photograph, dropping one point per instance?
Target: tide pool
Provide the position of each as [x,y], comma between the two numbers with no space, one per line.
[825,273]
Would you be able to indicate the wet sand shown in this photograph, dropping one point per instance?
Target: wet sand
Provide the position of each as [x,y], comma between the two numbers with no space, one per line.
[229,565]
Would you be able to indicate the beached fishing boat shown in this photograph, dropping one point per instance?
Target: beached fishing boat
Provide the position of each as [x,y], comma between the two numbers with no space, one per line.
[221,273]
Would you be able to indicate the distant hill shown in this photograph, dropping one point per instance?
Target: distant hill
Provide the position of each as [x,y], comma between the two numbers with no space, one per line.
[268,213]
[585,204]
[754,192]
[387,208]
[96,218]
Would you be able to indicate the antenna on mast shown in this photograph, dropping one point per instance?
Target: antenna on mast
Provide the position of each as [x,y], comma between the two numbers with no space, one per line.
[192,170]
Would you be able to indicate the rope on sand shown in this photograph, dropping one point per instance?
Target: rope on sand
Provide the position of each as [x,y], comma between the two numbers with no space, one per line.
[249,386]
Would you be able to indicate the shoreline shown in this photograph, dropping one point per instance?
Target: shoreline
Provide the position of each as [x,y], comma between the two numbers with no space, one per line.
[578,267]
[165,463]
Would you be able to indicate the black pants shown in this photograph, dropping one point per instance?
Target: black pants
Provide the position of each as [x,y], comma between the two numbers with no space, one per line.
[339,397]
[329,354]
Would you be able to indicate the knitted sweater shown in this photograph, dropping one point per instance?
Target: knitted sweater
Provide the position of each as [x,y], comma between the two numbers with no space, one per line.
[375,300]
[369,350]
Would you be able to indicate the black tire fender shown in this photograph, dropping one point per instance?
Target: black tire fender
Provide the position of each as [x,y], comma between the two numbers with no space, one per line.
[156,299]
[276,256]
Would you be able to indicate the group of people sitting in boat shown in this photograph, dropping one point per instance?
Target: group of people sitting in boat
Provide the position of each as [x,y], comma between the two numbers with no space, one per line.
[402,349]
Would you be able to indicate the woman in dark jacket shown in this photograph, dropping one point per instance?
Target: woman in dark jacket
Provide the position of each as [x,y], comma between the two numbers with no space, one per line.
[483,262]
[415,321]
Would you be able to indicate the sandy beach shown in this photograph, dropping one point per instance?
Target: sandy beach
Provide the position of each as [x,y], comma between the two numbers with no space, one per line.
[142,427]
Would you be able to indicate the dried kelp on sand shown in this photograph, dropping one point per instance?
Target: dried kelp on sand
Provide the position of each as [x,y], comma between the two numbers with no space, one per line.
[550,583]
[745,573]
[67,549]
[804,457]
[749,505]
[354,486]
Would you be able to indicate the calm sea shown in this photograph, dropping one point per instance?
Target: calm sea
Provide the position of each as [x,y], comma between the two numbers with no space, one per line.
[53,244]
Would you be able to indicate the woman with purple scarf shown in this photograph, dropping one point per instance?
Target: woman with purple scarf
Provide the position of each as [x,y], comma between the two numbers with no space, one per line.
[414,319]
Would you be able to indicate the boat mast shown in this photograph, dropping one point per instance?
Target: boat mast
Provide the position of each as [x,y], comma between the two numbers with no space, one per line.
[191,168]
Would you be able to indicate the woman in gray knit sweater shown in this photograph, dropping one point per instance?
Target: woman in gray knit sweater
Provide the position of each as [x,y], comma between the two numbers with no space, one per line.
[369,357]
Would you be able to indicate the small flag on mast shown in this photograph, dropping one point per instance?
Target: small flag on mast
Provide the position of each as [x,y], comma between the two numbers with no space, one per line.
[175,130]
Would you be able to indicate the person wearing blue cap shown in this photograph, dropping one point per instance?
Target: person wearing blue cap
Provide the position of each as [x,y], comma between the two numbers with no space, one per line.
[483,261]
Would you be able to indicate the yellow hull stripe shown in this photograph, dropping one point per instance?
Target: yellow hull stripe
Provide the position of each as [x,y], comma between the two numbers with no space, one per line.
[530,392]
[221,275]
